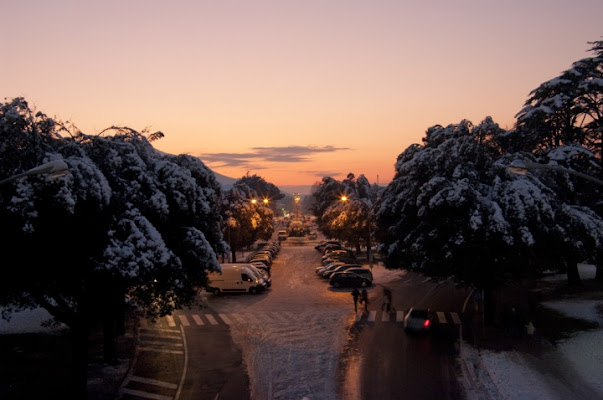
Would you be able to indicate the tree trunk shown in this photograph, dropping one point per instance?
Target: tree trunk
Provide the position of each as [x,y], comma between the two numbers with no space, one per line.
[234,255]
[79,367]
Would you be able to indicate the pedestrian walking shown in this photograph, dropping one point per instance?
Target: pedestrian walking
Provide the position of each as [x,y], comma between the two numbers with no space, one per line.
[387,300]
[355,295]
[365,300]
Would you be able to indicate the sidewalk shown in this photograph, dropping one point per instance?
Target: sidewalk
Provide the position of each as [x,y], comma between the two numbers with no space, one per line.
[564,360]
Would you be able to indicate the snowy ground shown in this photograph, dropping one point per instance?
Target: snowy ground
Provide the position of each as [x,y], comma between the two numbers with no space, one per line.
[574,369]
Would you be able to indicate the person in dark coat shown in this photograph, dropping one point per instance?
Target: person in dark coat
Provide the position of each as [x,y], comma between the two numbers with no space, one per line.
[364,296]
[355,295]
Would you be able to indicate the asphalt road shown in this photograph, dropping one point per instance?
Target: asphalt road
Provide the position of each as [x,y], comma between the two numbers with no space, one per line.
[182,360]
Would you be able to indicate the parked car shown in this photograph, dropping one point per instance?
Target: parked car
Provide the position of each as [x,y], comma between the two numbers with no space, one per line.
[320,270]
[260,274]
[348,279]
[282,235]
[344,267]
[261,266]
[339,253]
[358,270]
[330,247]
[417,320]
[264,260]
[321,245]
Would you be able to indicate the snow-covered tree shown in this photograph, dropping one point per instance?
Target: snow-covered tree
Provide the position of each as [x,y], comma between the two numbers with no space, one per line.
[453,209]
[567,109]
[126,223]
[325,194]
[264,190]
[246,218]
[345,209]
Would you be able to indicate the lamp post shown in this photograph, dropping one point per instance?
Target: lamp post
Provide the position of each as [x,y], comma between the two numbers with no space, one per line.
[54,168]
[520,167]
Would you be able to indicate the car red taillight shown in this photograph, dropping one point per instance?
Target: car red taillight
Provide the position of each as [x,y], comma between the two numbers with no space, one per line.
[426,324]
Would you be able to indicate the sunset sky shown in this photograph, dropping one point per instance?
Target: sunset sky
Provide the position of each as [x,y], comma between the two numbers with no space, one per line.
[288,90]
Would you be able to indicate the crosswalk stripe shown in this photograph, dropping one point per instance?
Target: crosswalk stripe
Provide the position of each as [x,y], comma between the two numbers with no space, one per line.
[211,319]
[184,320]
[153,382]
[399,316]
[441,317]
[170,320]
[198,319]
[225,318]
[371,316]
[455,318]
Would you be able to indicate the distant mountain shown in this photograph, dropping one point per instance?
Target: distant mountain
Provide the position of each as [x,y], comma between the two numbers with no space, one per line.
[225,181]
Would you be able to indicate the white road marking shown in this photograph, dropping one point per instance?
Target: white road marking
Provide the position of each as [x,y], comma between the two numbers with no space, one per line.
[441,317]
[184,320]
[211,319]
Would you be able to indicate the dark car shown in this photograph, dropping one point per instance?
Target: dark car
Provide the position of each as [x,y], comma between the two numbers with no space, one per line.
[358,270]
[348,279]
[417,320]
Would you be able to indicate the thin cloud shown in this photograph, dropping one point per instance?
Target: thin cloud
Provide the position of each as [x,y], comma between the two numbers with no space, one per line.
[286,154]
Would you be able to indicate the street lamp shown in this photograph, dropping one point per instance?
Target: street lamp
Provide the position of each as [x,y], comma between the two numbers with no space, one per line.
[54,169]
[520,167]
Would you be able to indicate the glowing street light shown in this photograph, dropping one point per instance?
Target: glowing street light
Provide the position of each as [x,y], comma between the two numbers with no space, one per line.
[54,169]
[520,167]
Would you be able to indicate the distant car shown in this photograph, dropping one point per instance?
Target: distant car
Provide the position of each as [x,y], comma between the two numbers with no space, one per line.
[282,235]
[312,236]
[417,320]
[347,279]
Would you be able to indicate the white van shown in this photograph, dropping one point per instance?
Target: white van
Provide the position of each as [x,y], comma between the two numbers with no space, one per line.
[234,278]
